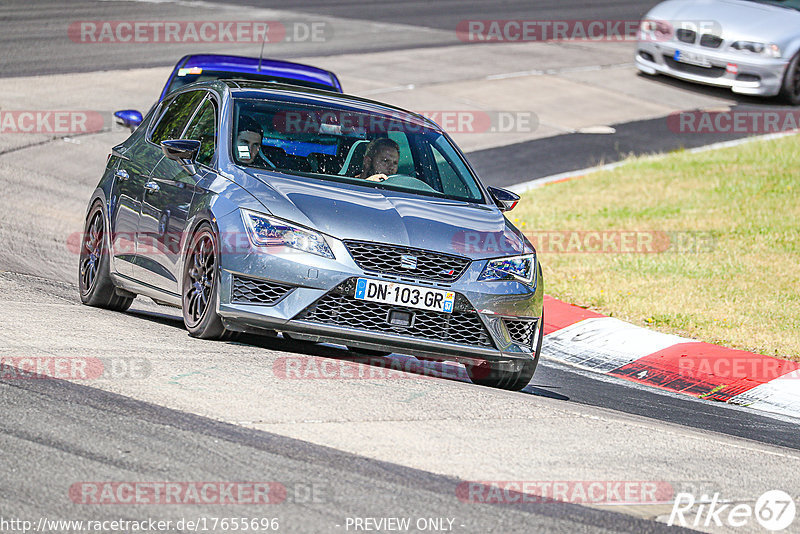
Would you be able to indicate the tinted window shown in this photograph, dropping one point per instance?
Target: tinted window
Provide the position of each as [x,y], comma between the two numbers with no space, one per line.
[204,129]
[178,112]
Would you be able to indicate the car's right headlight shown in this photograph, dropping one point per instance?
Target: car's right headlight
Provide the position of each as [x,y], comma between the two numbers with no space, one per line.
[753,47]
[267,231]
[519,268]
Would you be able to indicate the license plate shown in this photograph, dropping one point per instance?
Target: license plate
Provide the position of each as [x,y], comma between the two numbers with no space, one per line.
[692,59]
[422,298]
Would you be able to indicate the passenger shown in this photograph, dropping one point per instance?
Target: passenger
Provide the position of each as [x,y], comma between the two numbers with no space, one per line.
[380,160]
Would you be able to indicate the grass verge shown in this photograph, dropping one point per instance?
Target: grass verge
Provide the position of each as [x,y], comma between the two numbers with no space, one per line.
[704,245]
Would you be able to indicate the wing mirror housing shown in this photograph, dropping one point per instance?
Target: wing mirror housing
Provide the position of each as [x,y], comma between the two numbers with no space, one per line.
[129,118]
[505,200]
[184,151]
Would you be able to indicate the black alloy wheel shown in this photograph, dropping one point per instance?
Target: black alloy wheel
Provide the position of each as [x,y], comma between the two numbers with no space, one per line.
[96,287]
[200,281]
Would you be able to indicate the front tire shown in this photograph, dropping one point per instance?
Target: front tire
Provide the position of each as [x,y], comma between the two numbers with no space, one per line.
[200,287]
[790,89]
[94,279]
[489,375]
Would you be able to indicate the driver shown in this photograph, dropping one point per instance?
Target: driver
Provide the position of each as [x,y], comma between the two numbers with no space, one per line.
[380,160]
[248,143]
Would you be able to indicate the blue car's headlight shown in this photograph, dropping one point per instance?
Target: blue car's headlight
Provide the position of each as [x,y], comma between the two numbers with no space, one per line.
[265,231]
[520,268]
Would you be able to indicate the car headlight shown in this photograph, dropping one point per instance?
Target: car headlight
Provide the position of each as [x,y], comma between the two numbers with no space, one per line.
[520,268]
[265,231]
[764,49]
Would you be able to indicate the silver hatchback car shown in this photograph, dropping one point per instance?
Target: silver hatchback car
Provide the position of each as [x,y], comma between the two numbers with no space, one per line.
[750,46]
[264,208]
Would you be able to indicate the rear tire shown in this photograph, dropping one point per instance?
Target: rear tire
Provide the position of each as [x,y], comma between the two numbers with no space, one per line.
[489,375]
[94,278]
[200,287]
[790,89]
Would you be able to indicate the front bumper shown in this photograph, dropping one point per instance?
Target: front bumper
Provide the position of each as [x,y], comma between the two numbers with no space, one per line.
[753,75]
[312,298]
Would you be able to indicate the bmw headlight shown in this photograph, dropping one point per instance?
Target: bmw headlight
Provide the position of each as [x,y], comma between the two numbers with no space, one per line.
[769,50]
[519,268]
[266,231]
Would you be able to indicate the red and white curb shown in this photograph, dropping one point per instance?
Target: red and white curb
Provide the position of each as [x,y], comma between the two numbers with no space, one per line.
[594,342]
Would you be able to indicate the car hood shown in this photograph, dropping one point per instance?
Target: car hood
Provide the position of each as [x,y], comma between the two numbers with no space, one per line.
[738,19]
[363,213]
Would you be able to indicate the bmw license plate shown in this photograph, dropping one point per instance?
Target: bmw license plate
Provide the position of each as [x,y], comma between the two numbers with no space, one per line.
[423,298]
[692,59]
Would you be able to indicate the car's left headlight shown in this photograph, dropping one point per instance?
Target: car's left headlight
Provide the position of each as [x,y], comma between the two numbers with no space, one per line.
[519,268]
[266,231]
[764,49]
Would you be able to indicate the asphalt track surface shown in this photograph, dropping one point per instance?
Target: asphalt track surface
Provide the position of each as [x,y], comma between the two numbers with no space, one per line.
[57,432]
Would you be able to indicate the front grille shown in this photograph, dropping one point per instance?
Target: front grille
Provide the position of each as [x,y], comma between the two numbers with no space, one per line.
[686,36]
[521,331]
[710,41]
[463,327]
[708,72]
[253,291]
[386,259]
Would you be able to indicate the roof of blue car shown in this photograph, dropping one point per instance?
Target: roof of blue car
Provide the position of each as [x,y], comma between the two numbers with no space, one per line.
[251,64]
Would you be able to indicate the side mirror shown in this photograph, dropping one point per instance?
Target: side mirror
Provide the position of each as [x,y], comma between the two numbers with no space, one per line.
[505,200]
[130,118]
[184,151]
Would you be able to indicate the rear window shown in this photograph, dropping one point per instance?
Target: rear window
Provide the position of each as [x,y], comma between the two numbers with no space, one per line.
[185,78]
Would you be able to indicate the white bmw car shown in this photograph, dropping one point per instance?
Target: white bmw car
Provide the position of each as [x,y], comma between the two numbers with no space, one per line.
[750,46]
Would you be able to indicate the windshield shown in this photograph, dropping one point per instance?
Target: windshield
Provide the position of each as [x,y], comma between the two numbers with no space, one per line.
[395,151]
[187,76]
[790,4]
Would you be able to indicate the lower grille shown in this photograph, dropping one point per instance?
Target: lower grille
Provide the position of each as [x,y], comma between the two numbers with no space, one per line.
[253,291]
[463,327]
[521,331]
[709,72]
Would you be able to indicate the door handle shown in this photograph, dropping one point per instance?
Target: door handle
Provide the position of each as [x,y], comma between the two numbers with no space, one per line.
[151,187]
[122,174]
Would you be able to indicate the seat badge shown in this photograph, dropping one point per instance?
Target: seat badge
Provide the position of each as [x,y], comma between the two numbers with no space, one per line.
[407,261]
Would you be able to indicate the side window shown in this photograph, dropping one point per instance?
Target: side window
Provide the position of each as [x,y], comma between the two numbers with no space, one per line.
[451,183]
[452,171]
[204,129]
[176,116]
